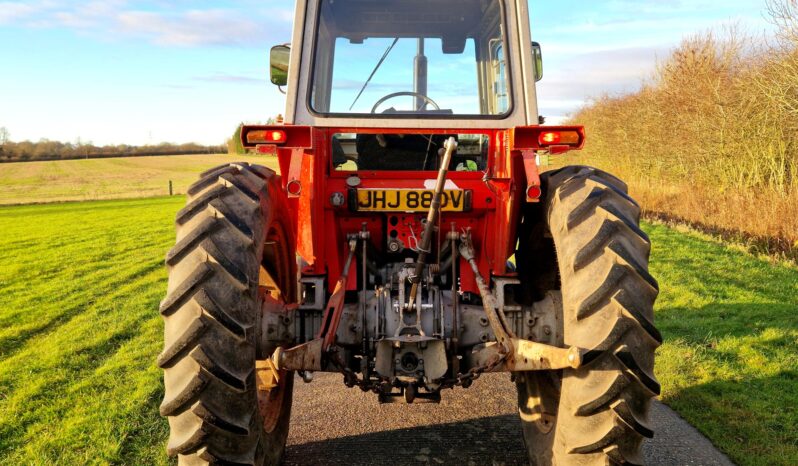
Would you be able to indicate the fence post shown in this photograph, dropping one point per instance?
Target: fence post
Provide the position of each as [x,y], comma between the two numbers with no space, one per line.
[171,193]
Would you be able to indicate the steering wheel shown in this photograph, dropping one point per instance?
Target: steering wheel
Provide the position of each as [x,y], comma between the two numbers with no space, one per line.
[405,93]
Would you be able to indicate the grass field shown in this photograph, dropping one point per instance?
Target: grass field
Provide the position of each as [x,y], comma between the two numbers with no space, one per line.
[121,178]
[79,332]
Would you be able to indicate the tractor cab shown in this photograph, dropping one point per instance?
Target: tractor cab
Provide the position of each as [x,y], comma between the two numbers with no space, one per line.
[406,60]
[408,65]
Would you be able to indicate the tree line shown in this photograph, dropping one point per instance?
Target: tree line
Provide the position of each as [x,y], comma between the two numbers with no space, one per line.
[45,149]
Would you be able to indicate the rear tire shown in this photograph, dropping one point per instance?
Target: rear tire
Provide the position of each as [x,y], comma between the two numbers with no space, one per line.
[233,228]
[597,414]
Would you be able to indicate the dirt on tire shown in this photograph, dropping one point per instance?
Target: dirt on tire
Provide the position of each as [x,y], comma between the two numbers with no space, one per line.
[211,314]
[597,414]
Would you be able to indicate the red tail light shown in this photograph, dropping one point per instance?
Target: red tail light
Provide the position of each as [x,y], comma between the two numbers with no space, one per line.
[554,138]
[286,137]
[533,193]
[272,136]
[294,188]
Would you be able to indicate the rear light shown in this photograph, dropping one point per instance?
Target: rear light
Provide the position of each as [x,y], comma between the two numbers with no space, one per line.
[294,188]
[550,137]
[553,138]
[271,136]
[533,193]
[293,137]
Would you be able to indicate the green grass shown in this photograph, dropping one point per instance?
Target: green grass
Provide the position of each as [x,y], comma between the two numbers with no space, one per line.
[730,361]
[119,178]
[79,292]
[79,332]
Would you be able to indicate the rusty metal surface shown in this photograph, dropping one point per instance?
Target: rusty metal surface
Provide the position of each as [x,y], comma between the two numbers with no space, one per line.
[510,353]
[331,425]
[528,356]
[266,374]
[270,392]
[303,357]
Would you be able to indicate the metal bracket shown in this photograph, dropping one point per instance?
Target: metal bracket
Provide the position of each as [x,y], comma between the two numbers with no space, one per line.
[531,171]
[317,302]
[503,335]
[404,274]
[510,353]
[499,286]
[308,356]
[295,170]
[528,356]
[267,375]
[305,357]
[332,316]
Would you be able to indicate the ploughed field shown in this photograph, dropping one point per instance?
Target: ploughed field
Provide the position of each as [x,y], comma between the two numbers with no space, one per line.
[80,285]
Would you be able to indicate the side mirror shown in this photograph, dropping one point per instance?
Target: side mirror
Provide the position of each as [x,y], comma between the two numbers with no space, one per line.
[279,57]
[537,54]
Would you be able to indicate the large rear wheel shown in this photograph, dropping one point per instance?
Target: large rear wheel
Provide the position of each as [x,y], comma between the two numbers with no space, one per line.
[234,254]
[587,233]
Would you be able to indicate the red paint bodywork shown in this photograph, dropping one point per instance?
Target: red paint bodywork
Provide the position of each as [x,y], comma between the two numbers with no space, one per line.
[498,195]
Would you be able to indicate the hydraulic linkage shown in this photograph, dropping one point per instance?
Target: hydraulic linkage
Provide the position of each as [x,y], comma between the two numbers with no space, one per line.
[432,219]
[508,353]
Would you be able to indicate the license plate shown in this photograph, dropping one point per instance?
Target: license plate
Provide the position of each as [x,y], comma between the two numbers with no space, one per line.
[409,200]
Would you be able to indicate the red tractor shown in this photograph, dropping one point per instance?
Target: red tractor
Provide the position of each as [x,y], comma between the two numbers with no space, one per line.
[409,243]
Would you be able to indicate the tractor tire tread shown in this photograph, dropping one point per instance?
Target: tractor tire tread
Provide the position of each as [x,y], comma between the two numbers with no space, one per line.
[210,395]
[608,297]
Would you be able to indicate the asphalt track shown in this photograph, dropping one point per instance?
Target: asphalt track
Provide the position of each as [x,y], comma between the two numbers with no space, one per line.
[333,425]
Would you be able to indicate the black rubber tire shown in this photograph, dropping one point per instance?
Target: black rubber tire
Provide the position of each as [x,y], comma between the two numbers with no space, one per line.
[597,414]
[212,319]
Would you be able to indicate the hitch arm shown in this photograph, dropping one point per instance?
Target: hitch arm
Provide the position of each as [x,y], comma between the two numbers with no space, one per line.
[332,316]
[308,356]
[503,336]
[510,353]
[528,356]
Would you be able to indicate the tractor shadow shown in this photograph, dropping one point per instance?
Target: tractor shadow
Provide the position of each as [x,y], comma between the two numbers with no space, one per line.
[491,440]
[494,440]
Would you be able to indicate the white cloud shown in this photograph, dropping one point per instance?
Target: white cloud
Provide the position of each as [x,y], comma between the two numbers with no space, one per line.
[12,12]
[230,78]
[615,50]
[192,28]
[578,77]
[170,25]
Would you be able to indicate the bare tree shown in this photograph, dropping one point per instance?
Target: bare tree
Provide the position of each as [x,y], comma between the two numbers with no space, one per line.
[4,136]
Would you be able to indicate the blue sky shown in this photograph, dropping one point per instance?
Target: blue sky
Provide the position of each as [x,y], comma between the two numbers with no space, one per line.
[135,72]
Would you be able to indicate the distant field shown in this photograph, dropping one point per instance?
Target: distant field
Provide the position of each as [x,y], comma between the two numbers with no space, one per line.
[131,177]
[79,333]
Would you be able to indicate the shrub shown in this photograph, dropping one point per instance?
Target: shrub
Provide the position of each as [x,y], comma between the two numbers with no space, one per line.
[712,138]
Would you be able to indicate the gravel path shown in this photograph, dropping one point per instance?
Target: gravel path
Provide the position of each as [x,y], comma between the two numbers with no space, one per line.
[334,425]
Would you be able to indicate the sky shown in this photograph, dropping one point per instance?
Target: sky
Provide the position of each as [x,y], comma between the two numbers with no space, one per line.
[149,71]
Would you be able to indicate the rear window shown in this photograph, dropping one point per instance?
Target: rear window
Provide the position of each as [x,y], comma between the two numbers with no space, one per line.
[408,152]
[409,57]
